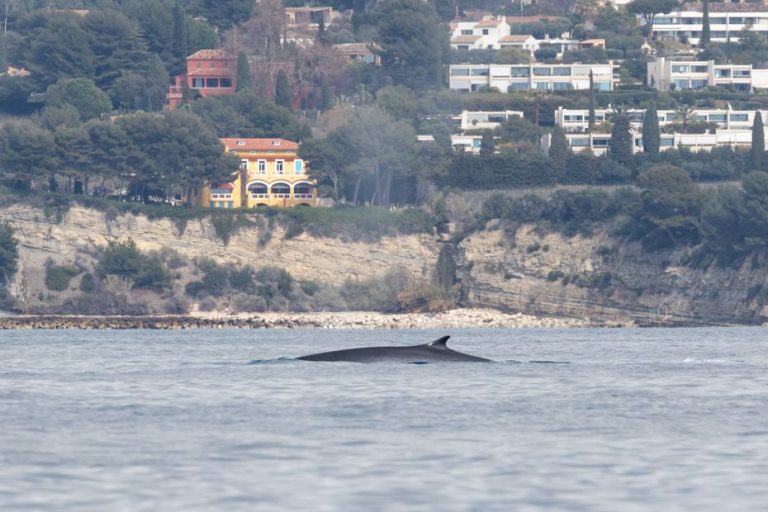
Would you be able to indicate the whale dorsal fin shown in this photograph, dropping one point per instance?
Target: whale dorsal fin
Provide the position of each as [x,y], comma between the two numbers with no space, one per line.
[439,342]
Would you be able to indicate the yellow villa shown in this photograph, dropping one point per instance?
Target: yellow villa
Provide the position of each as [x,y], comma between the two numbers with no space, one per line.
[271,174]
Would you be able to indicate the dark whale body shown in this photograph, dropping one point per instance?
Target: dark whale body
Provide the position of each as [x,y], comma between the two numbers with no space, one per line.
[434,352]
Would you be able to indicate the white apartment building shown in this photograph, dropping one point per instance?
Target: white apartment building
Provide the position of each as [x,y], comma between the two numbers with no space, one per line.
[726,20]
[734,129]
[486,120]
[577,120]
[664,74]
[543,77]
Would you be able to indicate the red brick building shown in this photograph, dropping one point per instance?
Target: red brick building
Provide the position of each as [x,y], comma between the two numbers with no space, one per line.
[209,72]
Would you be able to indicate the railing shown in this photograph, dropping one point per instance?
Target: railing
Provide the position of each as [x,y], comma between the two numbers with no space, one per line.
[302,196]
[259,196]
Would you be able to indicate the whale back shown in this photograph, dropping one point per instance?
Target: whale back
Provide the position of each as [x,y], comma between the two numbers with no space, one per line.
[434,351]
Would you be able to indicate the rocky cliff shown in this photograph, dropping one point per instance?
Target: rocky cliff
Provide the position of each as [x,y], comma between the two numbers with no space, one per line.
[513,271]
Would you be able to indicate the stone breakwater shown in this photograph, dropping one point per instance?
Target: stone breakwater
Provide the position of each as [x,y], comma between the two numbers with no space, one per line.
[456,319]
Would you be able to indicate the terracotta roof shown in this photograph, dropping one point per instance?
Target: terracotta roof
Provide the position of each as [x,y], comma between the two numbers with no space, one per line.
[464,39]
[352,48]
[260,144]
[491,22]
[515,38]
[225,186]
[211,54]
[516,20]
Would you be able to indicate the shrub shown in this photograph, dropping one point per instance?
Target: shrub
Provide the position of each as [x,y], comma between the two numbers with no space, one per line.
[9,253]
[57,277]
[554,275]
[87,283]
[124,260]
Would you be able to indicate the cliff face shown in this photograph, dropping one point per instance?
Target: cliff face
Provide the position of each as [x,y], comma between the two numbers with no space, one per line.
[542,275]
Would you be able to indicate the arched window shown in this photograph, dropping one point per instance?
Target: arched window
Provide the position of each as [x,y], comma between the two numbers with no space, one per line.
[281,190]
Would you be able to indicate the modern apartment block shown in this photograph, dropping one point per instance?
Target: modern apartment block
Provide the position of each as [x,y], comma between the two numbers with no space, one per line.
[664,74]
[542,77]
[486,120]
[726,20]
[731,128]
[577,120]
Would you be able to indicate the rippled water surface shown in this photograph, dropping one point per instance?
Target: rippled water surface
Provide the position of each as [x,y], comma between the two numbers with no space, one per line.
[662,420]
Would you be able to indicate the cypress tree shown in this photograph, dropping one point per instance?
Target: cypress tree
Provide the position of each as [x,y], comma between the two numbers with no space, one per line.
[620,145]
[591,119]
[243,72]
[651,132]
[757,153]
[179,39]
[283,96]
[487,144]
[558,149]
[705,25]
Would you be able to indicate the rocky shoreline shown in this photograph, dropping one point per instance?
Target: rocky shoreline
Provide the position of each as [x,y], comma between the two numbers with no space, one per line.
[456,319]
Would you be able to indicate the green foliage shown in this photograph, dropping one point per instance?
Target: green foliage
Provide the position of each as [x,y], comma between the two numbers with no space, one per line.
[123,259]
[87,283]
[57,277]
[243,73]
[559,150]
[757,150]
[620,145]
[376,294]
[555,275]
[413,44]
[283,94]
[651,132]
[499,171]
[9,253]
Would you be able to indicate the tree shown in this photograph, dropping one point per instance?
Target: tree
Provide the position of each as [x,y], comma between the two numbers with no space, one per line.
[705,30]
[670,209]
[81,93]
[651,131]
[179,39]
[9,253]
[558,149]
[243,72]
[27,152]
[620,145]
[757,152]
[487,144]
[648,9]
[413,44]
[283,95]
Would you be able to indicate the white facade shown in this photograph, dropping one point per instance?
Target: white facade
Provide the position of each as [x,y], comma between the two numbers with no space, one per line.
[725,23]
[479,35]
[664,74]
[543,77]
[577,120]
[486,120]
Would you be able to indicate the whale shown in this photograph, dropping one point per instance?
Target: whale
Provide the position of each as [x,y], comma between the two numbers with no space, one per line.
[433,352]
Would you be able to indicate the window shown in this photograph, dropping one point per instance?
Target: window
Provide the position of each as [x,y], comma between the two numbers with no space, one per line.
[520,72]
[716,118]
[212,65]
[736,21]
[561,86]
[466,32]
[520,86]
[663,21]
[459,71]
[573,118]
[678,68]
[279,166]
[580,142]
[542,71]
[198,64]
[298,166]
[543,86]
[736,118]
[563,71]
[723,73]
[681,84]
[480,72]
[741,73]
[262,166]
[302,191]
[462,47]
[603,86]
[698,84]
[198,83]
[667,142]
[281,190]
[699,69]
[211,82]
[243,165]
[600,143]
[485,31]
[225,82]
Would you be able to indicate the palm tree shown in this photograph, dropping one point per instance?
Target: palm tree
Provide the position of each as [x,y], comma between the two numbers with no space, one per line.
[587,10]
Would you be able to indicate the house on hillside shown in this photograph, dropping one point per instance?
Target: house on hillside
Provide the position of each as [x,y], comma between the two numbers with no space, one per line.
[358,52]
[209,73]
[271,174]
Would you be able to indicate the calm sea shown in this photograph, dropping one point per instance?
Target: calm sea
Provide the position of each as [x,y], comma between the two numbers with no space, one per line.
[617,420]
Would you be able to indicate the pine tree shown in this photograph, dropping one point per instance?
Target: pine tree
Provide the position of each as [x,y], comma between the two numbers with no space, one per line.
[705,34]
[620,145]
[757,153]
[487,144]
[283,96]
[243,72]
[591,118]
[651,132]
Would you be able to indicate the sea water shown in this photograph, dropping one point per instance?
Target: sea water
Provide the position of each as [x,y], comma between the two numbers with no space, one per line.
[582,419]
